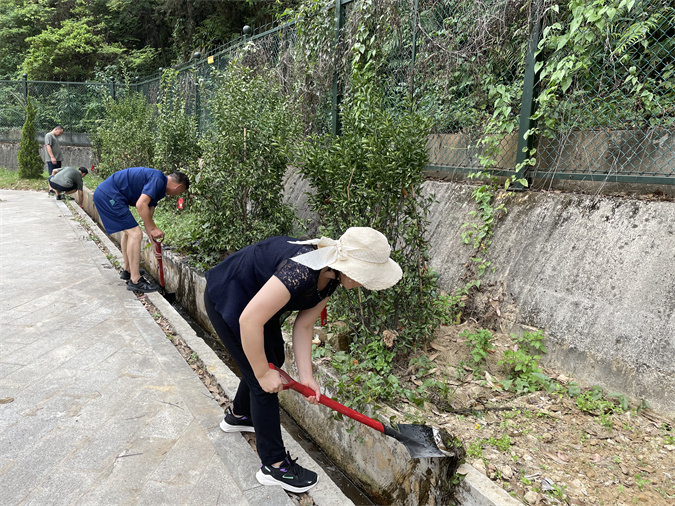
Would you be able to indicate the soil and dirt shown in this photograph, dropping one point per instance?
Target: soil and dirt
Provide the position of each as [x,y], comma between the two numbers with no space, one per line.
[541,447]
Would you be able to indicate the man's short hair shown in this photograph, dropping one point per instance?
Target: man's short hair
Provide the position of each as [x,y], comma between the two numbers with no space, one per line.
[58,127]
[83,170]
[181,178]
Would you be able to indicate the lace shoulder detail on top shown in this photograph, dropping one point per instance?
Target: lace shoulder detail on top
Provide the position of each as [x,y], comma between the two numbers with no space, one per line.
[297,277]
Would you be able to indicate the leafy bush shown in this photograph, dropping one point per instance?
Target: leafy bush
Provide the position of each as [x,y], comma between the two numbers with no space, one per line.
[238,183]
[125,136]
[523,362]
[31,166]
[372,175]
[177,144]
[479,344]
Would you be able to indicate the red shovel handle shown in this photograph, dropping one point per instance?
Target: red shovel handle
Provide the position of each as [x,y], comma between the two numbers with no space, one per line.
[158,249]
[327,401]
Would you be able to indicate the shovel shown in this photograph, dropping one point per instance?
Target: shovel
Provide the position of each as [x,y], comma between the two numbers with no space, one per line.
[420,440]
[169,296]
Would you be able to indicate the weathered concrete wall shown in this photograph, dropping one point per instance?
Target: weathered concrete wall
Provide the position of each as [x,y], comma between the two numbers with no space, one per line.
[73,155]
[597,274]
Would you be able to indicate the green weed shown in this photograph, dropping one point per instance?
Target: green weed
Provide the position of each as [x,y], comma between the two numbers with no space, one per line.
[480,343]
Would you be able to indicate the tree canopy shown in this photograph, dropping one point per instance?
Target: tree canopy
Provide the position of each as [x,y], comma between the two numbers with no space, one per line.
[77,40]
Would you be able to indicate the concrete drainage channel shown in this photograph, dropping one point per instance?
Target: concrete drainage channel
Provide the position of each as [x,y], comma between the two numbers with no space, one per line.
[378,463]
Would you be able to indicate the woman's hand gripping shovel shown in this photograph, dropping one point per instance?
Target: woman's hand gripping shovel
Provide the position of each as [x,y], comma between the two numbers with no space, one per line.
[420,440]
[169,296]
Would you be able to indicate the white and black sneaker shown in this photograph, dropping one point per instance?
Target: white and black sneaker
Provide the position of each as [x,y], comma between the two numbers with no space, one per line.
[143,285]
[290,475]
[233,423]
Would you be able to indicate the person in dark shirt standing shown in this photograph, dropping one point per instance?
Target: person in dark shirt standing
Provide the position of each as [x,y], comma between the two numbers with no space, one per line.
[245,298]
[143,188]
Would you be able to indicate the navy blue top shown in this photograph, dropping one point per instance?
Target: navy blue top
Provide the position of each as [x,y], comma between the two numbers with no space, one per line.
[236,280]
[126,186]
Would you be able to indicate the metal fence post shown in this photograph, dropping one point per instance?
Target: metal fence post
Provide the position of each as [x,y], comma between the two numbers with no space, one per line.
[70,115]
[339,25]
[414,49]
[530,90]
[112,88]
[198,112]
[25,87]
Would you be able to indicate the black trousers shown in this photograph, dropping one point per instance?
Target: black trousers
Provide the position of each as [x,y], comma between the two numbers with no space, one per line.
[251,400]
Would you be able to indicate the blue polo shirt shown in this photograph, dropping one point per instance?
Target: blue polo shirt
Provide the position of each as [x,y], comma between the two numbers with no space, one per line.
[126,186]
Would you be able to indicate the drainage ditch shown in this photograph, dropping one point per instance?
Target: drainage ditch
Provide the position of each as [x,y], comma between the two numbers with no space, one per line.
[348,487]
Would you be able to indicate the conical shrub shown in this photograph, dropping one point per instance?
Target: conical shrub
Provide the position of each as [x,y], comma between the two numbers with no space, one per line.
[31,166]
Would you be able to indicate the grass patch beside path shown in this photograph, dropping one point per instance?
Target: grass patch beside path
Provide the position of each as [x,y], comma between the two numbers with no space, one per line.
[10,180]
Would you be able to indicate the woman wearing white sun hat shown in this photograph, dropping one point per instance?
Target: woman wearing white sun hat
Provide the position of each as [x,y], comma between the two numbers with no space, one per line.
[246,295]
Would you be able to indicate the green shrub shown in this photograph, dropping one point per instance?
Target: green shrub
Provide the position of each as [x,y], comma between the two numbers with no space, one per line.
[125,137]
[238,184]
[372,175]
[522,363]
[31,166]
[479,344]
[177,144]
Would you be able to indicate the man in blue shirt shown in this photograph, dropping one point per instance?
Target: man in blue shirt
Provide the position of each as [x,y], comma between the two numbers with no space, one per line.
[143,188]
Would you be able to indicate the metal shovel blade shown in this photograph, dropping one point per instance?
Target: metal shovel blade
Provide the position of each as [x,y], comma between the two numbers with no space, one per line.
[421,441]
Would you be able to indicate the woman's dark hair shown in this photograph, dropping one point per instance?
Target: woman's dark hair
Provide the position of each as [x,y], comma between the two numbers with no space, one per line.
[338,274]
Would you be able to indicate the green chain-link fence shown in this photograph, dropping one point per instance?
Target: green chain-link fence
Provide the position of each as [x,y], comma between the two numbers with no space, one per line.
[578,90]
[75,106]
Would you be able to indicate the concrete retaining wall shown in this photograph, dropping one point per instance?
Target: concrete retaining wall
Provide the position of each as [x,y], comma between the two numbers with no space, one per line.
[73,155]
[597,274]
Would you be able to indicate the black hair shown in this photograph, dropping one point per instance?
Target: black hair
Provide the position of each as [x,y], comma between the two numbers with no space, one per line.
[181,178]
[338,274]
[83,170]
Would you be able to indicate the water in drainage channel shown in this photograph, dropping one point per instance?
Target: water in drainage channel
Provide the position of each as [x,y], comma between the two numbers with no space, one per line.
[348,487]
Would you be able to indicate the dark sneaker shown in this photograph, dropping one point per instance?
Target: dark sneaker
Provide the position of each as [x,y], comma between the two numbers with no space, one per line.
[143,285]
[233,424]
[126,275]
[290,475]
[58,197]
[51,192]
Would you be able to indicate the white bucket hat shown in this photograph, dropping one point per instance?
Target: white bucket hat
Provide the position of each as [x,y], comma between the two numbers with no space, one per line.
[362,253]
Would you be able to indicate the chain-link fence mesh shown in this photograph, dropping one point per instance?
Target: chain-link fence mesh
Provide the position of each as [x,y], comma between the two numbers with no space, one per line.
[469,67]
[603,97]
[612,120]
[75,106]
